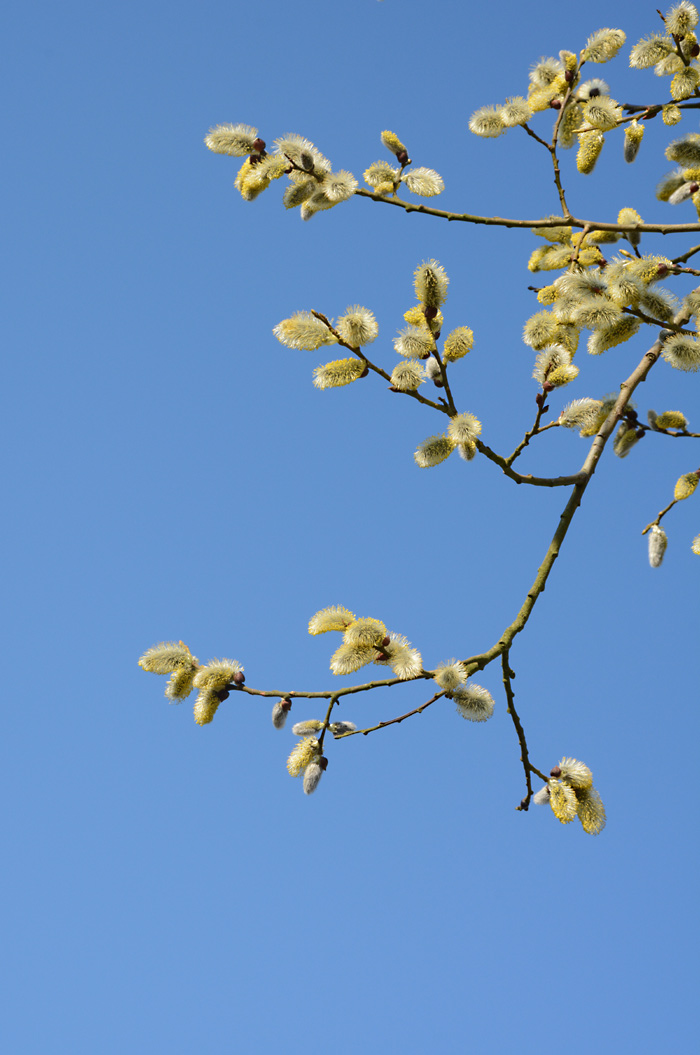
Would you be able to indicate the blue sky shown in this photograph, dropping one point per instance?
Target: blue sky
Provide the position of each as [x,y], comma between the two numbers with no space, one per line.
[172,473]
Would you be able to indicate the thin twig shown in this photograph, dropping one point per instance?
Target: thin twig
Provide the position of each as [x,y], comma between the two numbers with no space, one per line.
[508,675]
[392,721]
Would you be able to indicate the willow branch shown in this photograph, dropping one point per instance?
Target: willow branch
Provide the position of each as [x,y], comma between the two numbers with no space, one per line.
[347,691]
[587,470]
[501,221]
[537,481]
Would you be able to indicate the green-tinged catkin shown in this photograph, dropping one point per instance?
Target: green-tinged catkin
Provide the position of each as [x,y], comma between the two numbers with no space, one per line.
[562,235]
[365,632]
[338,373]
[550,258]
[630,216]
[307,728]
[405,661]
[669,184]
[381,174]
[625,439]
[464,428]
[590,811]
[424,181]
[671,419]
[685,151]
[648,52]
[430,282]
[685,486]
[487,122]
[474,703]
[334,618]
[540,330]
[570,124]
[684,83]
[205,706]
[597,313]
[681,18]
[658,541]
[610,336]
[408,375]
[349,658]
[180,684]
[575,773]
[450,675]
[433,451]
[167,657]
[515,111]
[603,45]
[671,114]
[236,140]
[580,414]
[590,145]
[658,302]
[358,326]
[634,134]
[562,799]
[683,353]
[303,330]
[392,142]
[457,344]
[302,755]
[553,365]
[602,113]
[218,674]
[414,342]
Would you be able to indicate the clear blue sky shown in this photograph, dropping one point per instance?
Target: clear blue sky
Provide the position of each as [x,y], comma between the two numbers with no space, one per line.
[172,473]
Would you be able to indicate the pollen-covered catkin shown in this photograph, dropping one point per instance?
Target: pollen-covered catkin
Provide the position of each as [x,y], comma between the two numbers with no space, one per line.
[685,486]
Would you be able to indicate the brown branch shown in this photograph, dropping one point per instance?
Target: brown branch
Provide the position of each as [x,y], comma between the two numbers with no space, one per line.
[508,675]
[537,481]
[500,221]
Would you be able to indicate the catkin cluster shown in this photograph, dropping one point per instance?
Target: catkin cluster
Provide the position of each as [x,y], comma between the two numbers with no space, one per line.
[313,185]
[571,794]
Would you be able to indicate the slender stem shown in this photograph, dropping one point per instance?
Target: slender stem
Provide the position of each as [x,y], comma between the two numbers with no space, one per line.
[327,719]
[392,721]
[659,517]
[508,675]
[534,431]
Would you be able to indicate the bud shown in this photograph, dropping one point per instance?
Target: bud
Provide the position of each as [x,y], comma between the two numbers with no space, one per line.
[279,713]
